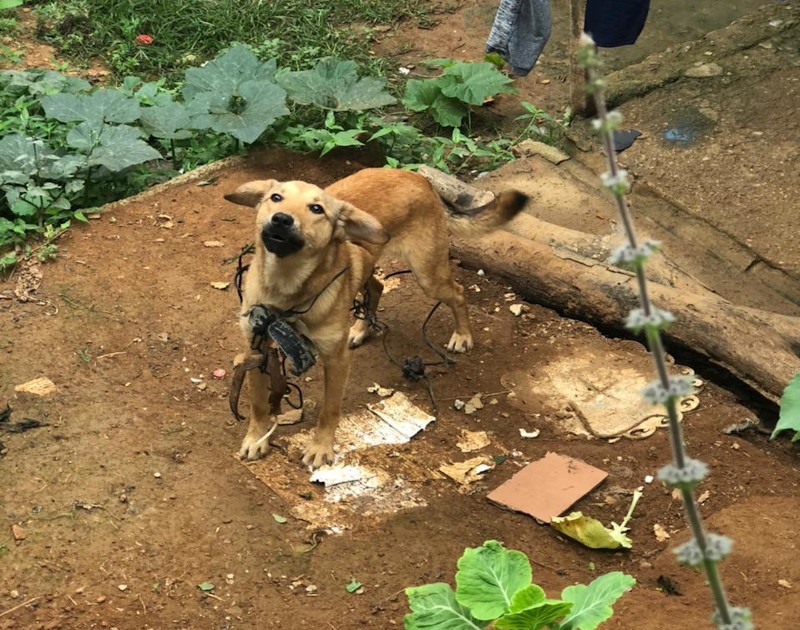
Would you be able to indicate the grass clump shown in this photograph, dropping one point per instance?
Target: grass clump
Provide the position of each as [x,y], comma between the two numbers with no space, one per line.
[187,32]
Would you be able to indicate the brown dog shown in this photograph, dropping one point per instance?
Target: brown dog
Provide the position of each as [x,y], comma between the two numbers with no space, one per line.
[316,249]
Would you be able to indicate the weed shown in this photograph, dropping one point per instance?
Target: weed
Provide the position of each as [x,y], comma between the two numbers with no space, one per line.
[705,550]
[184,32]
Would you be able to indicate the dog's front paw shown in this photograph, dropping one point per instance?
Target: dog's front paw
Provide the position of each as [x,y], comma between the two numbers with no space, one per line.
[253,447]
[319,452]
[460,343]
[359,331]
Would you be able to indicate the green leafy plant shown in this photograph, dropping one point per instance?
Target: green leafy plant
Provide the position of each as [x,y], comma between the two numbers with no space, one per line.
[335,85]
[493,585]
[448,98]
[235,94]
[789,418]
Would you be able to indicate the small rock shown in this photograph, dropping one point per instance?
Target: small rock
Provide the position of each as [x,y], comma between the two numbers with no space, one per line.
[202,386]
[100,599]
[649,479]
[219,373]
[157,475]
[17,532]
[785,584]
[13,594]
[481,272]
[123,587]
[516,309]
[458,405]
[704,70]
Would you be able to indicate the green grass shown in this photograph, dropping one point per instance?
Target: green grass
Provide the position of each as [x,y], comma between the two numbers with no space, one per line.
[186,32]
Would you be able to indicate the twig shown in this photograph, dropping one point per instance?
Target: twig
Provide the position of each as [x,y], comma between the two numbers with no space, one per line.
[18,606]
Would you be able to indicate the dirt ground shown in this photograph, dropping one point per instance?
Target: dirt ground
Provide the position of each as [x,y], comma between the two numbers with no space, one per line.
[131,497]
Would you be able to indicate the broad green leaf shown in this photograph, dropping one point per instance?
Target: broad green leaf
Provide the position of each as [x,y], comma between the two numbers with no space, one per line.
[169,121]
[334,84]
[592,603]
[261,104]
[19,157]
[9,4]
[104,105]
[206,587]
[353,585]
[114,146]
[530,609]
[789,417]
[421,94]
[225,74]
[434,607]
[37,82]
[488,577]
[426,95]
[473,82]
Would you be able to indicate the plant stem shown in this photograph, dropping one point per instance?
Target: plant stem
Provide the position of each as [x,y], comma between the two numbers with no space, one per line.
[656,347]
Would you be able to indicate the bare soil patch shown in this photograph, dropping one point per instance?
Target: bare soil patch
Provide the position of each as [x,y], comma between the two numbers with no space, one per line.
[133,482]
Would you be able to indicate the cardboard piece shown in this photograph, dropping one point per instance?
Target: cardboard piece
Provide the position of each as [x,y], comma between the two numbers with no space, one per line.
[548,487]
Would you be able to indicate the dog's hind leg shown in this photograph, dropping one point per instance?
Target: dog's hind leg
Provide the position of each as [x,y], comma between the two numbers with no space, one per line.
[431,268]
[359,331]
[252,445]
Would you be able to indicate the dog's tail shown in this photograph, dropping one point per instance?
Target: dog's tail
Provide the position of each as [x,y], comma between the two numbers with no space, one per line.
[478,221]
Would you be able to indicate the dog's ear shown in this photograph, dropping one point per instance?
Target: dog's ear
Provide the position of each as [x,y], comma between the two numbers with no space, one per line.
[251,193]
[361,226]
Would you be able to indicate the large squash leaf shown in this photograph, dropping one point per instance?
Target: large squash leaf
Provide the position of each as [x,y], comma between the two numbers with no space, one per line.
[530,609]
[235,94]
[102,106]
[592,603]
[789,418]
[115,147]
[474,82]
[488,577]
[426,95]
[334,84]
[434,607]
[169,121]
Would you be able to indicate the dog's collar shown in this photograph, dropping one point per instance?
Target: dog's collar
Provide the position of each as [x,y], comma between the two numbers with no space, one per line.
[270,322]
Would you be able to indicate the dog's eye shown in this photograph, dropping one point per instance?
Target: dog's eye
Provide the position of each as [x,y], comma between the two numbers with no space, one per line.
[316,208]
[275,197]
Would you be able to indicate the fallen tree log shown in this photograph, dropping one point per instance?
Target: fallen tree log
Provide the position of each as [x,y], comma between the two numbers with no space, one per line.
[759,347]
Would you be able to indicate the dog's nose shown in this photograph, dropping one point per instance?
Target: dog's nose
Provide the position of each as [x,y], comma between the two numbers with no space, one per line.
[282,220]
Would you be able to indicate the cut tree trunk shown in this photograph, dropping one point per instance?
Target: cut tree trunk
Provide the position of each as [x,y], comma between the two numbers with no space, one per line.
[566,270]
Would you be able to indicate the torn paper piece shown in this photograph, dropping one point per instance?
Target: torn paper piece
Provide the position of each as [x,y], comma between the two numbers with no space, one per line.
[548,487]
[469,471]
[472,441]
[401,414]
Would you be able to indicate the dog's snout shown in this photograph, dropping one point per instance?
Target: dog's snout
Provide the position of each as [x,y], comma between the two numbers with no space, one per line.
[282,220]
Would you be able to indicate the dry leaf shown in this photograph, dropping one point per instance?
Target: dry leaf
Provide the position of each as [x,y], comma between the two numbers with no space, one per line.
[703,497]
[662,535]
